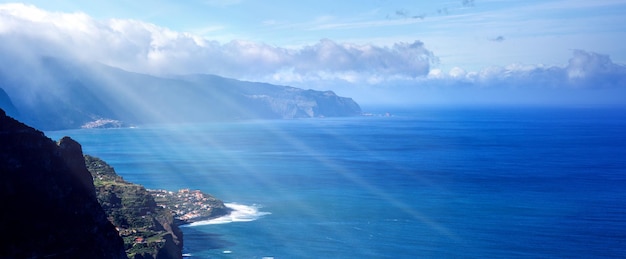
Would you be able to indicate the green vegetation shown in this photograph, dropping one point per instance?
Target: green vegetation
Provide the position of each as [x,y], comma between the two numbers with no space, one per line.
[148,226]
[144,226]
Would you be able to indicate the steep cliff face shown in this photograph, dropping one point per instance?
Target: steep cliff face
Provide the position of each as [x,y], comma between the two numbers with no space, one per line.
[49,205]
[148,220]
[263,100]
[148,230]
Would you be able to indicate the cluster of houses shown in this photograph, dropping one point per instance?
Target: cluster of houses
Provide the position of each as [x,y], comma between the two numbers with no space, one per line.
[186,205]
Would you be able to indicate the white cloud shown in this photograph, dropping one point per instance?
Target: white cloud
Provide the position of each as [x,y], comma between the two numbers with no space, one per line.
[457,72]
[144,47]
[435,74]
[584,70]
[584,64]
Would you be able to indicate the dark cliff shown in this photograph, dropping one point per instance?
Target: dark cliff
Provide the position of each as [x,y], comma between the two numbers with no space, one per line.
[49,204]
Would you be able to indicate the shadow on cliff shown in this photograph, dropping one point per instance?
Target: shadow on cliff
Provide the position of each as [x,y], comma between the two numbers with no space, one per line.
[49,204]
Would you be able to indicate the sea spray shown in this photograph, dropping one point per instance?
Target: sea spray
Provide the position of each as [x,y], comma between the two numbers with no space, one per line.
[240,213]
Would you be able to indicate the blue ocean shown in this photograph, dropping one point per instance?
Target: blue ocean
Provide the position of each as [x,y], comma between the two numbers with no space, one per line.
[419,183]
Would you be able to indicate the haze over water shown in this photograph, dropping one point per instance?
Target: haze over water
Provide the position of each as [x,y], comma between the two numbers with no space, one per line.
[422,183]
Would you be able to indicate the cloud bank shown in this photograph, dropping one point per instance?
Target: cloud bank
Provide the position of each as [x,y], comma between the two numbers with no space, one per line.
[144,47]
[584,70]
[27,31]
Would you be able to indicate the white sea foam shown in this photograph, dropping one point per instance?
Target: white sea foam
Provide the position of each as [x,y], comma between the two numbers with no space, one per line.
[239,213]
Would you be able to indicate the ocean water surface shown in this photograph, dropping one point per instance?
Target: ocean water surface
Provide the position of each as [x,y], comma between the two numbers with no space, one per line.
[434,183]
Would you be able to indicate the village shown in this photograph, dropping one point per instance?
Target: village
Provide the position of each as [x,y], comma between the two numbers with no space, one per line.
[189,206]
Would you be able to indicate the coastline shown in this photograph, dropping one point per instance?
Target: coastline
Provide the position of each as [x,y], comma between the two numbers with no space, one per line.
[238,213]
[190,206]
[148,220]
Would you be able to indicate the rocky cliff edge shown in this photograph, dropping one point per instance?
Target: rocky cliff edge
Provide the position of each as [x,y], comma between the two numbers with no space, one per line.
[49,204]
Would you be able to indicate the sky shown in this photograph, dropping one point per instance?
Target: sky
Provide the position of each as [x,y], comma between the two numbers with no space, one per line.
[376,51]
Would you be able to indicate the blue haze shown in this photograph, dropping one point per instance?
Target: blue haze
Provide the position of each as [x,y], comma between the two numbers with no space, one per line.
[474,183]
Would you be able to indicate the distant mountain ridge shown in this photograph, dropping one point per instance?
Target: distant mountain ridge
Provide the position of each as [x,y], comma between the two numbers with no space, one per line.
[51,93]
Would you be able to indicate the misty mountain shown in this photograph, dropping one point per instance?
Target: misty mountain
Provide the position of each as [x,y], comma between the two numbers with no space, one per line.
[6,104]
[51,93]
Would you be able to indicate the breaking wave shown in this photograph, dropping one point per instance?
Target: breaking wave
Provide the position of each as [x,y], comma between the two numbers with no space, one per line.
[239,213]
